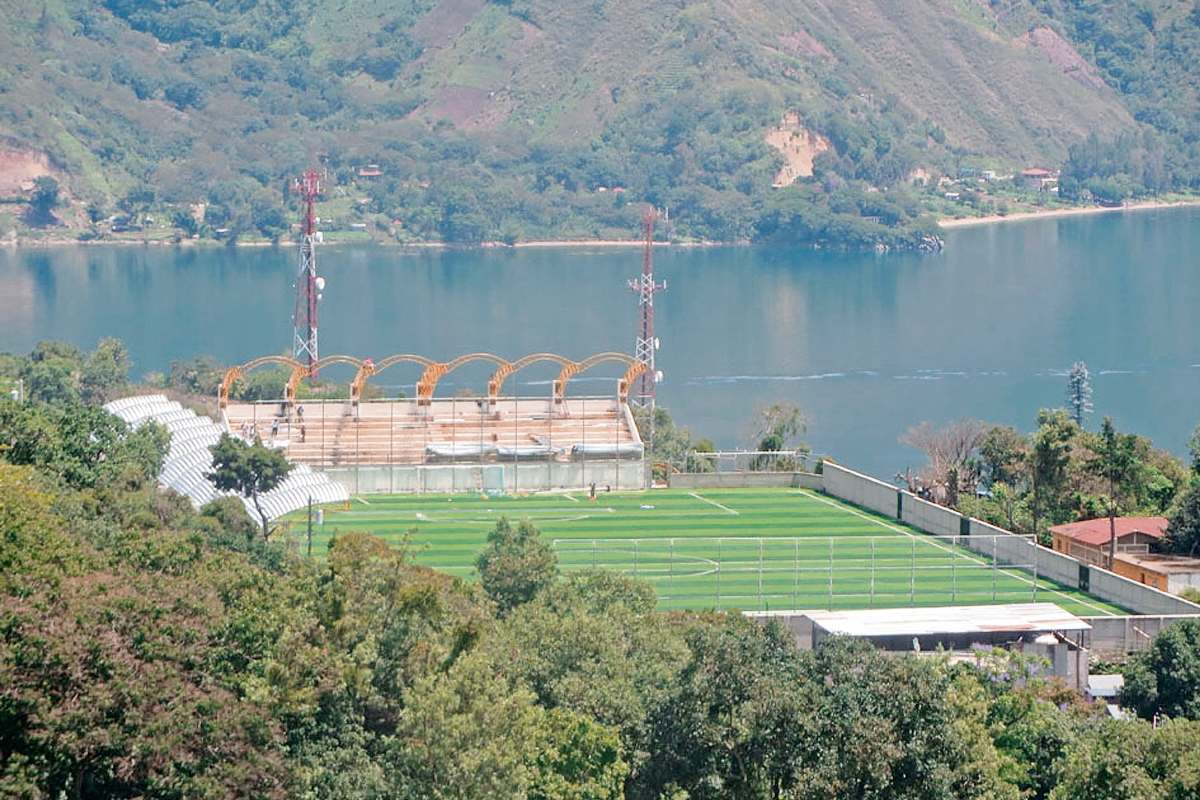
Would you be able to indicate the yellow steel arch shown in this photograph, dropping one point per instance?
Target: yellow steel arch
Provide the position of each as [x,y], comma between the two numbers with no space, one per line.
[434,373]
[302,370]
[496,382]
[233,373]
[635,369]
[367,368]
[574,368]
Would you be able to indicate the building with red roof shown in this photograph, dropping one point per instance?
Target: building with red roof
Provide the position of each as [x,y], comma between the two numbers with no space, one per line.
[1089,542]
[1038,178]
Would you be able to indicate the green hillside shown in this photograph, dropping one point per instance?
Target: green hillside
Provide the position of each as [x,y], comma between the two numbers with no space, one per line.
[518,120]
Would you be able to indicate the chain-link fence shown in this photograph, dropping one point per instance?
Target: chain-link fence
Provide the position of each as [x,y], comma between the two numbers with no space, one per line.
[763,573]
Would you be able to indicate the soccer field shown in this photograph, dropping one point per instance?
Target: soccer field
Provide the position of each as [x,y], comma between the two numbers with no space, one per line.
[757,549]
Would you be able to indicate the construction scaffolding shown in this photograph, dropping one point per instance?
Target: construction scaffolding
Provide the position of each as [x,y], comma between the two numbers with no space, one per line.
[511,444]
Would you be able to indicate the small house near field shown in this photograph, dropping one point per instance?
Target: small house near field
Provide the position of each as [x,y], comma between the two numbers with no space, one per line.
[1089,542]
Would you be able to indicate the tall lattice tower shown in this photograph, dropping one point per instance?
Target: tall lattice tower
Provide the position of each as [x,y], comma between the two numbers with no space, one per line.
[308,285]
[647,343]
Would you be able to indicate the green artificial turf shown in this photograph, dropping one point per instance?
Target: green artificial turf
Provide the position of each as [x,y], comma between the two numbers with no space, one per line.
[729,548]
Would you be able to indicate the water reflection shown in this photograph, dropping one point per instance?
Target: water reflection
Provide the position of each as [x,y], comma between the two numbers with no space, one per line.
[867,345]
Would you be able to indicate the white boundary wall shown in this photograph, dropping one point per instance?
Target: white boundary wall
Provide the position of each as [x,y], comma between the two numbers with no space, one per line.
[861,490]
[1125,634]
[622,475]
[930,517]
[1004,546]
[744,480]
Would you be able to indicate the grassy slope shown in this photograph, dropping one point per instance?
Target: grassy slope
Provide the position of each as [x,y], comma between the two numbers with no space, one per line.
[677,547]
[538,70]
[947,62]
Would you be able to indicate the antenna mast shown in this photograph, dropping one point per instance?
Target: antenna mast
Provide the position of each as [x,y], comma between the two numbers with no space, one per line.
[308,285]
[645,287]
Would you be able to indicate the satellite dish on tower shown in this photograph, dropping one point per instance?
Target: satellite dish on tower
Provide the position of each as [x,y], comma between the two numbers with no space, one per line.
[320,284]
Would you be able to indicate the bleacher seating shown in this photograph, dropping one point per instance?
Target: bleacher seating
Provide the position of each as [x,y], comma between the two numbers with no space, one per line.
[401,432]
[189,458]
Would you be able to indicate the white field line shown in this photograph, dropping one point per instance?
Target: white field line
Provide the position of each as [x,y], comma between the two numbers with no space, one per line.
[362,500]
[715,503]
[572,499]
[936,543]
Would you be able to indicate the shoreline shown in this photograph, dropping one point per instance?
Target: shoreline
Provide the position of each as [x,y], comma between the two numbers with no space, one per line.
[945,223]
[1022,216]
[287,243]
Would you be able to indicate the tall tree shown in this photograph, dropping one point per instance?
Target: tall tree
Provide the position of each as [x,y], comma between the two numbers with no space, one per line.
[1115,462]
[1165,677]
[1048,460]
[515,565]
[735,725]
[251,470]
[1002,453]
[670,443]
[43,200]
[1183,526]
[1194,449]
[950,451]
[106,369]
[52,371]
[775,428]
[1079,392]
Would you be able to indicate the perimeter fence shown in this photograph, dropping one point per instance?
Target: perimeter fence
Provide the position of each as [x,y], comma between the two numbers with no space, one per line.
[833,572]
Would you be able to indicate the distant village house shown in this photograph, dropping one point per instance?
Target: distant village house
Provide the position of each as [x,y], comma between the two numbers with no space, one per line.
[1038,178]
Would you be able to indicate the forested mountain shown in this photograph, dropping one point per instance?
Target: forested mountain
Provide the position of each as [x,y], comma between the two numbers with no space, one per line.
[467,120]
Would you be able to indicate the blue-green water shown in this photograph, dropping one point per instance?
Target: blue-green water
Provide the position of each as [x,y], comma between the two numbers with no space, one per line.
[867,345]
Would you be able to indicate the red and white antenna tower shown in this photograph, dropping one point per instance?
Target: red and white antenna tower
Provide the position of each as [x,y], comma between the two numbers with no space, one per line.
[646,288]
[308,285]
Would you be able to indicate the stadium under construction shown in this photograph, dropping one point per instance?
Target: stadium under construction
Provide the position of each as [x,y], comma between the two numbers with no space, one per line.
[486,442]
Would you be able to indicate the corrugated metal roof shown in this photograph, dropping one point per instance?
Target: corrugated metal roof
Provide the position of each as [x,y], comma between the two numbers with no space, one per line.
[1015,618]
[1097,532]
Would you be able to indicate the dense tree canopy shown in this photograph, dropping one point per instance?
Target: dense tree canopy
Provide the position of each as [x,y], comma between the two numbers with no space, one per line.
[1059,473]
[151,650]
[516,564]
[1165,678]
[249,469]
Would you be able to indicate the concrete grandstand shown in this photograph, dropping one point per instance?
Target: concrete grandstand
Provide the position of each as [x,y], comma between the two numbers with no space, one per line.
[487,443]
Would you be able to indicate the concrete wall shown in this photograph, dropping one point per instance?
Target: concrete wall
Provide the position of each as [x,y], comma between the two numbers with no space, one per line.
[929,517]
[1136,596]
[992,542]
[1183,580]
[623,475]
[1126,634]
[859,489]
[801,627]
[745,480]
[1006,547]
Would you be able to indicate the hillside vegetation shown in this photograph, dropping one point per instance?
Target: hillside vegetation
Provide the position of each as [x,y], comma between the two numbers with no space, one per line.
[154,650]
[522,119]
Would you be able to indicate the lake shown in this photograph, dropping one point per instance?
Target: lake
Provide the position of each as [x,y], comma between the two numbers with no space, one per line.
[867,345]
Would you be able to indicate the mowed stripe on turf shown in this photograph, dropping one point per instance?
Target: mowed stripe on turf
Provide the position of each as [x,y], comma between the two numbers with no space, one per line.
[449,532]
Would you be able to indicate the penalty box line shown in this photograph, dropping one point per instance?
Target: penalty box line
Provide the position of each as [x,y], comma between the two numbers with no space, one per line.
[715,503]
[952,551]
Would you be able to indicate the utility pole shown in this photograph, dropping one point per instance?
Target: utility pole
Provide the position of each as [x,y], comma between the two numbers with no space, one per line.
[308,285]
[310,527]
